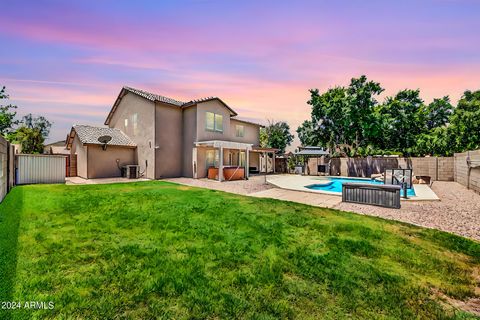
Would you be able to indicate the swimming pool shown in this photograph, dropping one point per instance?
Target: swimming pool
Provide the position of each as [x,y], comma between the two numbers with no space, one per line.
[335,185]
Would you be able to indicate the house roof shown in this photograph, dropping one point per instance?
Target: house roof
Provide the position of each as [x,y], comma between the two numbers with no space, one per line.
[154,97]
[90,135]
[248,121]
[196,101]
[159,98]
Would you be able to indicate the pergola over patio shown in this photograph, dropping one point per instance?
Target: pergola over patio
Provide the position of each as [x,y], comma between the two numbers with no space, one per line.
[312,152]
[265,152]
[221,145]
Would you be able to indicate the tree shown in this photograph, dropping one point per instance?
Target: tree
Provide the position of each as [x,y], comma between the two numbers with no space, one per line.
[7,115]
[329,121]
[464,128]
[343,119]
[31,139]
[438,112]
[277,135]
[402,120]
[362,124]
[40,123]
[306,134]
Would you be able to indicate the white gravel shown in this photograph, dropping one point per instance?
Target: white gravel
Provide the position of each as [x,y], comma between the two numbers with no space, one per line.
[458,210]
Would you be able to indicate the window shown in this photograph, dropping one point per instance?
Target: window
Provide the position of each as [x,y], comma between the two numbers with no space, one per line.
[212,158]
[135,123]
[126,123]
[239,130]
[214,122]
[218,122]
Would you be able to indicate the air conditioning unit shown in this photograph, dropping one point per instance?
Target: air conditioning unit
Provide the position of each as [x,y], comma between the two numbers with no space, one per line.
[131,171]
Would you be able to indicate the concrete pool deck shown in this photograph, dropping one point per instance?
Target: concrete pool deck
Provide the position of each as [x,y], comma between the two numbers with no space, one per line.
[300,183]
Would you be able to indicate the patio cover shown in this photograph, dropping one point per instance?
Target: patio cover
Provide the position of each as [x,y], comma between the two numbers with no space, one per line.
[224,144]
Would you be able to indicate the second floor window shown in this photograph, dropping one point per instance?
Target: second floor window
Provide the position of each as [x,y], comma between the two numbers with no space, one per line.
[214,122]
[239,130]
[135,123]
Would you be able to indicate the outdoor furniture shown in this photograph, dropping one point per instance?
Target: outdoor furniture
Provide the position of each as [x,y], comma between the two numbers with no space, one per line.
[378,195]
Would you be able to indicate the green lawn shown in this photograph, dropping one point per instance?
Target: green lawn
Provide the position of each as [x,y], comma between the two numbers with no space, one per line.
[157,249]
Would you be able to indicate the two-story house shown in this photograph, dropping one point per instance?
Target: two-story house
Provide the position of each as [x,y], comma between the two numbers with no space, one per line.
[172,138]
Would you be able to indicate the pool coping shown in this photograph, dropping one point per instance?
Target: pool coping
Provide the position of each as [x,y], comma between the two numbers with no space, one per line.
[300,183]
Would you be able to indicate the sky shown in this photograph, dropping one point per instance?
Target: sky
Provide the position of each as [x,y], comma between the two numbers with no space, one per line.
[68,60]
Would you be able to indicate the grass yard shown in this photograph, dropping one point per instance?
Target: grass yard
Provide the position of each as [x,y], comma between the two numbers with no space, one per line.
[160,250]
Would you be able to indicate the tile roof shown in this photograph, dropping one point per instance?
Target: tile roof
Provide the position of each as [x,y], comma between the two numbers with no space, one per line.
[154,97]
[90,135]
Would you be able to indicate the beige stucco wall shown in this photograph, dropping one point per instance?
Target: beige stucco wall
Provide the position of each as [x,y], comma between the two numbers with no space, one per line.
[168,141]
[102,163]
[81,151]
[251,132]
[215,107]
[189,134]
[144,136]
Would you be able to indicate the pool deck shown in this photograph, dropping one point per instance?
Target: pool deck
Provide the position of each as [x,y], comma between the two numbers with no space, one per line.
[299,183]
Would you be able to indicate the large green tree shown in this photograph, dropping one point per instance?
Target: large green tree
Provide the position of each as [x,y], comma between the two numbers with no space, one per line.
[438,112]
[276,135]
[7,115]
[343,119]
[403,119]
[362,124]
[30,139]
[464,127]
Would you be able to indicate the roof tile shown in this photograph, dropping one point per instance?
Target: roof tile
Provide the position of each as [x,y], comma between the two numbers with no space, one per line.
[90,135]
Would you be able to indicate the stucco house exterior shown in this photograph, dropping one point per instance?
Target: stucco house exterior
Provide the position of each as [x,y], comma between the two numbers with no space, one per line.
[171,138]
[94,159]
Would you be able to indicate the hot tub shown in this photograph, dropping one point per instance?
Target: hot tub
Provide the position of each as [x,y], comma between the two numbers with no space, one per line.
[229,173]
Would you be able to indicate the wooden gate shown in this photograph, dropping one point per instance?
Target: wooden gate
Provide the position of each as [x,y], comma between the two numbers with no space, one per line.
[71,167]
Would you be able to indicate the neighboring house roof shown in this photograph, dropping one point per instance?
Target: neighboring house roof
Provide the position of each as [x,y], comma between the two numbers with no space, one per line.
[90,135]
[58,149]
[159,98]
[56,143]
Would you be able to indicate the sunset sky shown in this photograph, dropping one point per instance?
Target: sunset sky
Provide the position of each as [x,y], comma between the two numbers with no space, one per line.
[67,60]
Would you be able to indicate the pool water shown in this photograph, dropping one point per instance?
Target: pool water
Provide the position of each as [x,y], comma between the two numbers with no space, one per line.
[335,185]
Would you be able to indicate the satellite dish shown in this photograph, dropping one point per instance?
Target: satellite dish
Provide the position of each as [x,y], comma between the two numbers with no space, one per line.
[104,140]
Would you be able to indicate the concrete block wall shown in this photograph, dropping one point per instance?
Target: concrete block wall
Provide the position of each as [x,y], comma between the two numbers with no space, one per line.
[462,175]
[4,156]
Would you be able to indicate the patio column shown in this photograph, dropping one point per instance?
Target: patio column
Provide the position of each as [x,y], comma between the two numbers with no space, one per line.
[220,165]
[273,162]
[194,163]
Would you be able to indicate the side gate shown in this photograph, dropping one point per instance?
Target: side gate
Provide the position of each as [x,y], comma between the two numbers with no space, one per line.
[38,168]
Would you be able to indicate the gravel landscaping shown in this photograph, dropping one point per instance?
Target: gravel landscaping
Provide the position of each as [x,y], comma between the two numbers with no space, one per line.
[458,210]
